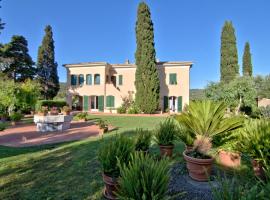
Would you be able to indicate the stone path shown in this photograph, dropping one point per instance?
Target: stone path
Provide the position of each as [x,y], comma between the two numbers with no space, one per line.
[26,134]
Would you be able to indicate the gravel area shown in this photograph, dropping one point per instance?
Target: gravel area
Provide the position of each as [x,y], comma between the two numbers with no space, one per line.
[182,187]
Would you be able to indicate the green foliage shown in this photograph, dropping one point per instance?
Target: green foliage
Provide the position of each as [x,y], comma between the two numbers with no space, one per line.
[119,148]
[121,110]
[47,67]
[61,95]
[146,78]
[247,63]
[229,68]
[66,109]
[144,178]
[133,109]
[16,116]
[2,126]
[265,111]
[80,116]
[103,124]
[184,134]
[21,66]
[143,139]
[262,85]
[254,140]
[166,132]
[50,103]
[196,94]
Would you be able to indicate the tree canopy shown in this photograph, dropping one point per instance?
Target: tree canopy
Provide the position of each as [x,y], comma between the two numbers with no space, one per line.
[247,63]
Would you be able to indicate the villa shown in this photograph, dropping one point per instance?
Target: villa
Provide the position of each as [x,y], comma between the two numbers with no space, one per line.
[101,86]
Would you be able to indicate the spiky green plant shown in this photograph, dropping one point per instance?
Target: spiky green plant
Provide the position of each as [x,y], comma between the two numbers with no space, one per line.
[144,178]
[167,132]
[206,119]
[119,147]
[143,139]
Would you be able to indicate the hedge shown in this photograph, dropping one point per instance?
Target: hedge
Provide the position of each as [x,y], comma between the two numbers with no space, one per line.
[50,103]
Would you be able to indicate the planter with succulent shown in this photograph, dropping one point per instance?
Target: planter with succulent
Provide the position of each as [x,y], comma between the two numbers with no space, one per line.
[43,111]
[116,150]
[143,140]
[103,126]
[66,110]
[54,110]
[165,136]
[15,117]
[206,120]
[81,117]
[254,140]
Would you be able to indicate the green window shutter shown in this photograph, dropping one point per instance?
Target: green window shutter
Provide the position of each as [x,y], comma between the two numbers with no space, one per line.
[81,79]
[73,79]
[179,104]
[165,103]
[173,79]
[89,79]
[120,80]
[100,103]
[110,101]
[85,103]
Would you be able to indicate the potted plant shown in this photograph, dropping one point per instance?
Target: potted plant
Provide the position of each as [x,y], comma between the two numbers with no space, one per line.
[54,110]
[15,117]
[254,140]
[103,126]
[43,111]
[165,136]
[206,120]
[117,149]
[66,110]
[143,140]
[3,126]
[81,117]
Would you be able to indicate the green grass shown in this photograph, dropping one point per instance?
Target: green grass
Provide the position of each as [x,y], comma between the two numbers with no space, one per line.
[63,171]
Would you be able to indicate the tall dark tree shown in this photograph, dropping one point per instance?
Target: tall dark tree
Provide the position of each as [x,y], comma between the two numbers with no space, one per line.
[229,68]
[21,65]
[247,63]
[147,78]
[47,67]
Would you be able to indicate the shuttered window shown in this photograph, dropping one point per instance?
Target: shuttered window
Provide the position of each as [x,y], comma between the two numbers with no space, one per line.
[120,80]
[81,79]
[179,104]
[97,79]
[165,103]
[110,101]
[173,79]
[85,103]
[101,103]
[89,79]
[73,80]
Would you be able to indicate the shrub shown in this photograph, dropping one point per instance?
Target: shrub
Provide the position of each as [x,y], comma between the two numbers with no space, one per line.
[133,109]
[66,109]
[16,116]
[50,103]
[119,147]
[166,132]
[82,115]
[143,139]
[265,111]
[143,178]
[121,110]
[102,124]
[2,126]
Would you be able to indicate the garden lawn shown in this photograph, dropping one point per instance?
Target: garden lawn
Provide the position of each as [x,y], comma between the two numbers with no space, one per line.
[62,171]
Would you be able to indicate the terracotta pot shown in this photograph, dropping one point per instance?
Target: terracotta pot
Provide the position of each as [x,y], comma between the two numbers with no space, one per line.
[82,120]
[229,159]
[258,169]
[198,169]
[42,114]
[166,150]
[66,112]
[111,185]
[13,123]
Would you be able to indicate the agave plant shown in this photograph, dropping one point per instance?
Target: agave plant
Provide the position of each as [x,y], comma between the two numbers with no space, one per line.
[143,139]
[206,119]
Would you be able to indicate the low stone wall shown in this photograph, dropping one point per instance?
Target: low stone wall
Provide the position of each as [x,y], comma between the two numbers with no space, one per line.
[52,122]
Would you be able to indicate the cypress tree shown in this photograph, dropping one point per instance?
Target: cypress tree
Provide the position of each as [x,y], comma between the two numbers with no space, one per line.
[229,68]
[47,67]
[147,77]
[21,65]
[247,64]
[1,23]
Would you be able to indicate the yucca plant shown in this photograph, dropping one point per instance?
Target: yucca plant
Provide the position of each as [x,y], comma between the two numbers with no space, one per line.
[143,139]
[206,119]
[119,147]
[167,132]
[254,140]
[143,178]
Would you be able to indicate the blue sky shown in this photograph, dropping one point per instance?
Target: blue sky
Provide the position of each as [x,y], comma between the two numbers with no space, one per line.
[104,30]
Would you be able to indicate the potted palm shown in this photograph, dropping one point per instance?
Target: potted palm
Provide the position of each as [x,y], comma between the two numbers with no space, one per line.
[42,111]
[165,136]
[103,126]
[254,140]
[206,120]
[118,148]
[143,140]
[185,136]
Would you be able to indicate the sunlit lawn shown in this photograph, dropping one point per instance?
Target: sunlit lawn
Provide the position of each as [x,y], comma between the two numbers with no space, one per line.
[63,171]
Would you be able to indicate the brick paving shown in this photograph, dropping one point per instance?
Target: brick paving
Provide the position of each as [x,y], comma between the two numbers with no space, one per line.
[26,134]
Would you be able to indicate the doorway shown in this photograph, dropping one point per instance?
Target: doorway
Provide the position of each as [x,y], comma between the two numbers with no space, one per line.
[172,103]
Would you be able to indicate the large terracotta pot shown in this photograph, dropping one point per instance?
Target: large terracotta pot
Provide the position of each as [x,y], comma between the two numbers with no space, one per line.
[166,150]
[111,185]
[229,159]
[258,169]
[198,169]
[66,112]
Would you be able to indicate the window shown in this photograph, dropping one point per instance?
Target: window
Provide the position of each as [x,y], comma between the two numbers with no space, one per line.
[89,79]
[73,80]
[173,79]
[97,79]
[81,79]
[110,101]
[120,80]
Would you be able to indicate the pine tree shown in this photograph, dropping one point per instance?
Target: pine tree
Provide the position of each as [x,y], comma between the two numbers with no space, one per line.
[21,65]
[47,67]
[247,64]
[229,68]
[147,78]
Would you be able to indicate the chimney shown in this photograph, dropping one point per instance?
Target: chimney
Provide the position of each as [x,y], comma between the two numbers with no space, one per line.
[127,61]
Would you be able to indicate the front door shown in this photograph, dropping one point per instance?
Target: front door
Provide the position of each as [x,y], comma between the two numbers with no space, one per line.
[172,103]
